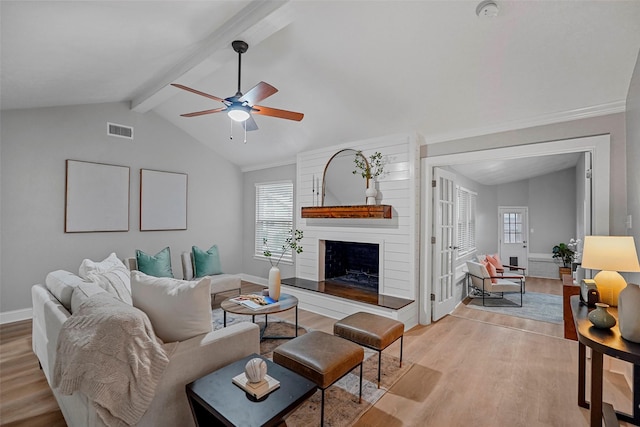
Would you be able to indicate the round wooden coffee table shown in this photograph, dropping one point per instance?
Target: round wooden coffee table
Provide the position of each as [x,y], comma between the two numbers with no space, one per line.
[286,302]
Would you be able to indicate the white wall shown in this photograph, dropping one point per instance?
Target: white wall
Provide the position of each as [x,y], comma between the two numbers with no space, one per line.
[552,210]
[633,162]
[34,146]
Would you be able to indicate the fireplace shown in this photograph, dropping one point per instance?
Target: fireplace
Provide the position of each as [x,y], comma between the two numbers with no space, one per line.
[352,264]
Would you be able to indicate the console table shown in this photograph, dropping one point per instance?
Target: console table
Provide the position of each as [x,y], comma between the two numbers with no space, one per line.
[601,342]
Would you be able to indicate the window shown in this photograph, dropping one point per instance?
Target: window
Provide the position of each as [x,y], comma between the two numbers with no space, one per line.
[512,232]
[274,217]
[466,221]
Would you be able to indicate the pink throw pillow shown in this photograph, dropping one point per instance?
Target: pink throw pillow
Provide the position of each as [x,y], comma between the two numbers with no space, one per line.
[495,261]
[492,271]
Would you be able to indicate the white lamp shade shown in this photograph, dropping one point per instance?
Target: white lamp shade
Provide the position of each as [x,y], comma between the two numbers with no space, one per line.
[613,253]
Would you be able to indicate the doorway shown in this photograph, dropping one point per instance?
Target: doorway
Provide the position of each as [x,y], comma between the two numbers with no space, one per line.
[598,148]
[513,235]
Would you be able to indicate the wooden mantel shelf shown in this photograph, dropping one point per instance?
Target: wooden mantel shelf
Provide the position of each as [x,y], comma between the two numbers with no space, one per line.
[359,211]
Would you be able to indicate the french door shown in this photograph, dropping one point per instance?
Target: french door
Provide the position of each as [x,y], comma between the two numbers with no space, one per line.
[443,242]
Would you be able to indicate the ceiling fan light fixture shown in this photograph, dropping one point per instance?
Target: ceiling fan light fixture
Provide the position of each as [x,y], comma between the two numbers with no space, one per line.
[238,114]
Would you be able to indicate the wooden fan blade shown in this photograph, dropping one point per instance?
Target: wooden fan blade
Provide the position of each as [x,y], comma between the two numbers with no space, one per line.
[274,112]
[250,124]
[202,113]
[257,93]
[197,92]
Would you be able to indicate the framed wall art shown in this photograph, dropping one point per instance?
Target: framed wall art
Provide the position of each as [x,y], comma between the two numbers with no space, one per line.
[96,198]
[163,200]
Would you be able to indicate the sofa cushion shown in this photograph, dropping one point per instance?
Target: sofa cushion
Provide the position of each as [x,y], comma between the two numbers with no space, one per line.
[110,274]
[83,292]
[178,309]
[61,284]
[88,266]
[206,263]
[158,265]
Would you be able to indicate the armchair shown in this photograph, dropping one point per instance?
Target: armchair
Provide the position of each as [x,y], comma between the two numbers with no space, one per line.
[513,270]
[498,284]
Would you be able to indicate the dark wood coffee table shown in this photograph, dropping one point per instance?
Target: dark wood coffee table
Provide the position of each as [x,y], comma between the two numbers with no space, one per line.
[215,400]
[286,302]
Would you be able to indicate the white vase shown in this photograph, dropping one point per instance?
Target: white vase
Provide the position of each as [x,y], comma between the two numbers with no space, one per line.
[629,312]
[274,283]
[371,193]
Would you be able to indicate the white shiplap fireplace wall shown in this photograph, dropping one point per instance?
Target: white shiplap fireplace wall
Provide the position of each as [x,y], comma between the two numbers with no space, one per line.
[399,237]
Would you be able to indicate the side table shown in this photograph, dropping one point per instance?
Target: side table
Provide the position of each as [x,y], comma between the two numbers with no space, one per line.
[215,400]
[601,342]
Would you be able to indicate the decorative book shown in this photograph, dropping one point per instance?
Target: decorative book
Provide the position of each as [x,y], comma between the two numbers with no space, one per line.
[254,302]
[259,389]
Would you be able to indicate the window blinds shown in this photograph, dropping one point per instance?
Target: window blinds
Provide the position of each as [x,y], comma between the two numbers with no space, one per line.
[274,218]
[466,221]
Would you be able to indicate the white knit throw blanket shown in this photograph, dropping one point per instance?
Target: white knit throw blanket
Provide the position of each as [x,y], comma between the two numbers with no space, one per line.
[107,350]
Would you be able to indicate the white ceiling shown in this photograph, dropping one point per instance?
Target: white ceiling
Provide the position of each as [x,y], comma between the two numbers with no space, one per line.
[495,172]
[356,69]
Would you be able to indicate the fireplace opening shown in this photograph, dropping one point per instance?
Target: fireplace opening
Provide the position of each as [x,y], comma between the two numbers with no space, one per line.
[352,264]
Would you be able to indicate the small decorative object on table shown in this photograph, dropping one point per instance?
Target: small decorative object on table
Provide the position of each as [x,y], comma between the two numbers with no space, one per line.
[255,370]
[629,312]
[601,318]
[292,242]
[254,301]
[254,380]
[589,294]
[369,169]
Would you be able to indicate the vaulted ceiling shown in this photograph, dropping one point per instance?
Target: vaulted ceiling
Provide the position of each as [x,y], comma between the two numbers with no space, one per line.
[356,69]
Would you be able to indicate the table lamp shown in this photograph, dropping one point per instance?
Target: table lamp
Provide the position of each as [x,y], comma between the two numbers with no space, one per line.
[610,255]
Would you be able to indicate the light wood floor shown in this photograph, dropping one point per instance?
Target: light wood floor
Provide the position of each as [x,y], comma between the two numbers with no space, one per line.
[469,369]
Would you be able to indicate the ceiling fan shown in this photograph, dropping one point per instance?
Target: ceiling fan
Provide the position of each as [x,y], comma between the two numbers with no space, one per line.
[239,107]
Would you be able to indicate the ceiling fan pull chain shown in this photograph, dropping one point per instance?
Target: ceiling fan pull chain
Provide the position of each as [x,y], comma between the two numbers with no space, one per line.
[231,129]
[244,125]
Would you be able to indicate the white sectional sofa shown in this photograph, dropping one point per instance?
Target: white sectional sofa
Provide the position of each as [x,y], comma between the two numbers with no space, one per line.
[223,282]
[191,359]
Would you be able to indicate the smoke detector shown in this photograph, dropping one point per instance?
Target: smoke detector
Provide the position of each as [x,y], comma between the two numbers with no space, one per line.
[487,9]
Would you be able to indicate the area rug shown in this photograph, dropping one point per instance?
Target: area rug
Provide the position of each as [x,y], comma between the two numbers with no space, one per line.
[535,306]
[341,399]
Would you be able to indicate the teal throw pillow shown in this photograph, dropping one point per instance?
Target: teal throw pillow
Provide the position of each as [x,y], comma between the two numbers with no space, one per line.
[158,265]
[206,263]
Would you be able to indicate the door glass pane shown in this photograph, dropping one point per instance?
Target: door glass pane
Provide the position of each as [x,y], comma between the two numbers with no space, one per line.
[512,227]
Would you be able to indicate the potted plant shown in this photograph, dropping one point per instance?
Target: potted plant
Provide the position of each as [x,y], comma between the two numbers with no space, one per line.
[291,243]
[566,253]
[369,169]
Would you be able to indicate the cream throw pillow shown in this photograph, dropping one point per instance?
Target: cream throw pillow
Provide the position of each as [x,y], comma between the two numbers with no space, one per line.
[178,309]
[110,274]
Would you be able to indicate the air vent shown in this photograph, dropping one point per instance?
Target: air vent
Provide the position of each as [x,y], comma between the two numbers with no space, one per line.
[120,131]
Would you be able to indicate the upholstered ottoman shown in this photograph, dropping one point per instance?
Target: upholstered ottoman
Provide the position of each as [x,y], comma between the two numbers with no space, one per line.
[321,358]
[372,331]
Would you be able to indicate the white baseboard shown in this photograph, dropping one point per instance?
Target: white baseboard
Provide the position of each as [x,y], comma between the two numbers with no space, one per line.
[15,315]
[254,279]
